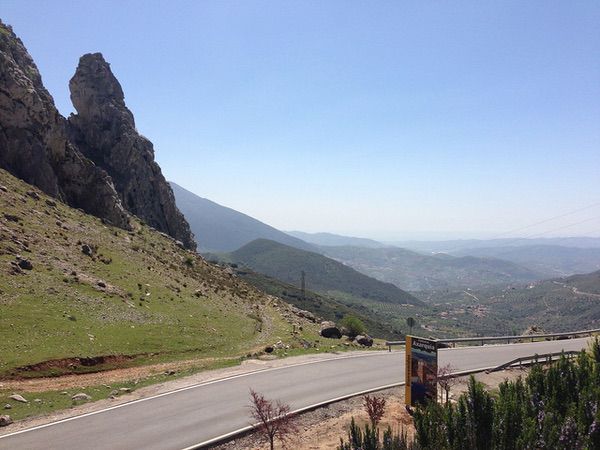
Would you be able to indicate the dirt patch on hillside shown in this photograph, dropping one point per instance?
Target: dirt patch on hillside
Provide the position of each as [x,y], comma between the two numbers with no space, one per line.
[71,365]
[100,377]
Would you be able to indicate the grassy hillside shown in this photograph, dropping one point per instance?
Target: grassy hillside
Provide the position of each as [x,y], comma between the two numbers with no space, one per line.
[222,229]
[86,289]
[415,272]
[323,275]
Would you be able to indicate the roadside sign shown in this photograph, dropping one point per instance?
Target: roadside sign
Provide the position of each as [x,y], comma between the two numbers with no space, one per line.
[421,370]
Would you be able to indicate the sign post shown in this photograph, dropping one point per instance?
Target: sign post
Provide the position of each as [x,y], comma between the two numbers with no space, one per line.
[421,370]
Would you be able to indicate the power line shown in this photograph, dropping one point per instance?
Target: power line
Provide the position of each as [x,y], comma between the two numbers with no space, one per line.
[560,216]
[547,220]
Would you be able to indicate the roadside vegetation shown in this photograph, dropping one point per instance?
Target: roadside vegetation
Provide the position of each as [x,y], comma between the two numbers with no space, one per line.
[555,407]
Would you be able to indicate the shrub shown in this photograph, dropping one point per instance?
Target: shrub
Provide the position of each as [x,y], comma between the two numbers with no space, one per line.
[554,408]
[369,439]
[354,326]
[273,419]
[375,408]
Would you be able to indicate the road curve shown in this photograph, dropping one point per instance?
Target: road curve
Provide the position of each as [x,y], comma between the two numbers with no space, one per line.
[190,416]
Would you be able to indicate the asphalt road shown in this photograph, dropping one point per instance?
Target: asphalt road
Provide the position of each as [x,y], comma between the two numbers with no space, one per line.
[187,417]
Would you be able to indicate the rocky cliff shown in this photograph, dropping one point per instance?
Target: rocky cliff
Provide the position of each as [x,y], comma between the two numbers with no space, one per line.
[104,130]
[34,144]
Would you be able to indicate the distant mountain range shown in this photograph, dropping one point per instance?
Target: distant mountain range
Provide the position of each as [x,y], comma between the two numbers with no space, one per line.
[551,260]
[221,229]
[420,265]
[456,245]
[323,274]
[329,239]
[416,272]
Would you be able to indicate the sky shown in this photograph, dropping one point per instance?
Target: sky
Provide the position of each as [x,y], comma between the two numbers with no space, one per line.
[389,120]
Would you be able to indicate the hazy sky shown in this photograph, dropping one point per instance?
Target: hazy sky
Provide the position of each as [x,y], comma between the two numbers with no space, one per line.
[386,119]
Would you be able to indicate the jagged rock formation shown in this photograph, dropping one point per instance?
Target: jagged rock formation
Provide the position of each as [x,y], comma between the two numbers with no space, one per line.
[104,131]
[33,139]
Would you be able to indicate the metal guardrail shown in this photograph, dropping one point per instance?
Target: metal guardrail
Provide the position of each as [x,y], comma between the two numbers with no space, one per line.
[508,339]
[548,357]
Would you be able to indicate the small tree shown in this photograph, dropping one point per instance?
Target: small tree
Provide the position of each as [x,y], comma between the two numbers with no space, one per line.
[411,323]
[354,325]
[445,380]
[375,407]
[273,419]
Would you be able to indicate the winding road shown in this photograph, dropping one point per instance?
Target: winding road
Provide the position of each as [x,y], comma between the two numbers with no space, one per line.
[196,415]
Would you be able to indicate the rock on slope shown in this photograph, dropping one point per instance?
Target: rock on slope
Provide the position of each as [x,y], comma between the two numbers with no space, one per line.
[104,130]
[33,139]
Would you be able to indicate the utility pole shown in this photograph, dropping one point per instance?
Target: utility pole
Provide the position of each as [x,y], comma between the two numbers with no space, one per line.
[303,284]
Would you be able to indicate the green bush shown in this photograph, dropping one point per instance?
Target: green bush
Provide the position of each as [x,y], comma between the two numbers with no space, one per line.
[369,439]
[189,261]
[354,325]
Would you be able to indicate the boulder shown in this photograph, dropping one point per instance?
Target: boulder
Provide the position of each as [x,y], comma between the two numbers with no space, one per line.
[87,250]
[330,330]
[81,397]
[18,398]
[5,420]
[25,264]
[364,340]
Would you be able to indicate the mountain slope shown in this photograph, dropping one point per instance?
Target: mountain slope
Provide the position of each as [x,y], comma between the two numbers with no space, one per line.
[222,229]
[322,274]
[73,287]
[329,239]
[326,307]
[414,271]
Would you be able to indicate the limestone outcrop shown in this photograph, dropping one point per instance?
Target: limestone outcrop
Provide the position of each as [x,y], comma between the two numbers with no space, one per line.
[104,131]
[34,144]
